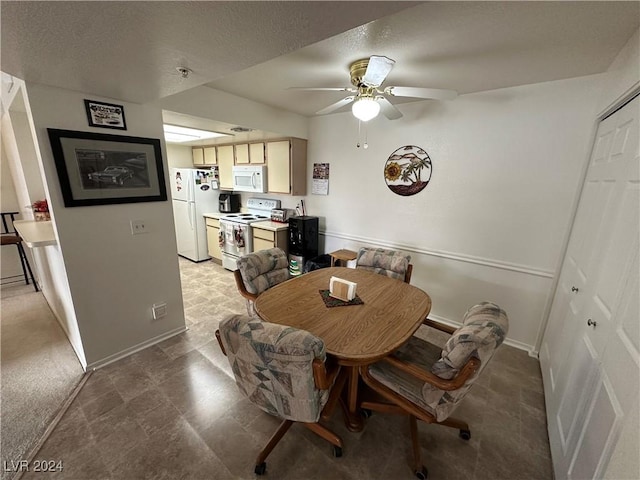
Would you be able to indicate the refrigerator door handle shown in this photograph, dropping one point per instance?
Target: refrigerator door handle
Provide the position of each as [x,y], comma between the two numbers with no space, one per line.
[191,211]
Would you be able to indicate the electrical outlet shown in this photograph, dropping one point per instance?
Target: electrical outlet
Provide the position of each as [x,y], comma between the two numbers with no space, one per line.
[159,310]
[138,227]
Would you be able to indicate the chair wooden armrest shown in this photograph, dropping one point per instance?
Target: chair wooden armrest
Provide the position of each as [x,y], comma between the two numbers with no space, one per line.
[325,374]
[220,342]
[463,375]
[241,288]
[407,274]
[439,326]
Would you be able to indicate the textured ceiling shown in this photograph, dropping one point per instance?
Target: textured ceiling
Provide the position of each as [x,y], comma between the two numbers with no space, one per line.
[129,50]
[464,46]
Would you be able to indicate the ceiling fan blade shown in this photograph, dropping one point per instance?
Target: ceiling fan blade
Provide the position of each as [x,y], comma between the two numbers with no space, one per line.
[336,106]
[419,92]
[325,89]
[387,109]
[377,70]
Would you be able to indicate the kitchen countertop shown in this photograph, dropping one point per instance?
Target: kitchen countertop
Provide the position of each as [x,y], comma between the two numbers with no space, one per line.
[269,225]
[215,215]
[36,234]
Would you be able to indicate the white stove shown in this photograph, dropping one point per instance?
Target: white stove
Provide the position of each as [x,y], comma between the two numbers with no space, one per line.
[244,218]
[236,238]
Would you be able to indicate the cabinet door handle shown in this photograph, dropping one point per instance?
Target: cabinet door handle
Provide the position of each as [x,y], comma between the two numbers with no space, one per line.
[592,323]
[574,289]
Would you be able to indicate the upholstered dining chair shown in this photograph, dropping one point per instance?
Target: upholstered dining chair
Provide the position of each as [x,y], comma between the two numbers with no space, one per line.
[427,383]
[387,262]
[260,271]
[285,372]
[9,236]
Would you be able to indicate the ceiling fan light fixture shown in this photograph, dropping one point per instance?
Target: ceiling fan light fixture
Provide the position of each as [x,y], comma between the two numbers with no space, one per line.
[365,108]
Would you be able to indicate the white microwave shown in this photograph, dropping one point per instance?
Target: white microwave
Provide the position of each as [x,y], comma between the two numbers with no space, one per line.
[250,178]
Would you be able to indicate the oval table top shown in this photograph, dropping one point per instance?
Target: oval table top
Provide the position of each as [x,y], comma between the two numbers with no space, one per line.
[356,334]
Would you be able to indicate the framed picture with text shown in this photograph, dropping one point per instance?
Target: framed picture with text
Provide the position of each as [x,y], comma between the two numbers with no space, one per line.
[105,115]
[102,169]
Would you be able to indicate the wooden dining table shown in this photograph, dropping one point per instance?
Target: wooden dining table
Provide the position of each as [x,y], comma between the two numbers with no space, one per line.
[355,335]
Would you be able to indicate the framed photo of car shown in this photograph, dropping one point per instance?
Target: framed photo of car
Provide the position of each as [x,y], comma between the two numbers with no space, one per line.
[102,169]
[105,115]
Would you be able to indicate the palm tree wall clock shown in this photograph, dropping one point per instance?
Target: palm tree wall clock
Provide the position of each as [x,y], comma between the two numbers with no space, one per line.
[408,170]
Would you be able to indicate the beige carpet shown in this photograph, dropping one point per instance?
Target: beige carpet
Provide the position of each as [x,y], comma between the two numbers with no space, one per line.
[38,371]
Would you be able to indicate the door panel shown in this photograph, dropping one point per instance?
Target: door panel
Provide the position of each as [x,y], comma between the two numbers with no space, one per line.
[603,417]
[578,387]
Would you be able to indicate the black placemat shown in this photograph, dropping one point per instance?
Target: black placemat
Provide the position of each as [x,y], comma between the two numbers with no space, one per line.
[336,302]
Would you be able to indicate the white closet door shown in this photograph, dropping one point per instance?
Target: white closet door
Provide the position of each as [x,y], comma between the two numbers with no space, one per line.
[589,320]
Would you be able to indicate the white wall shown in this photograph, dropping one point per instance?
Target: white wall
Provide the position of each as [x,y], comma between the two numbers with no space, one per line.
[492,222]
[623,75]
[113,277]
[205,102]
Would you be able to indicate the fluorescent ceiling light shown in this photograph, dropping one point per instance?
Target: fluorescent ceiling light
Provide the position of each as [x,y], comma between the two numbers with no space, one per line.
[177,134]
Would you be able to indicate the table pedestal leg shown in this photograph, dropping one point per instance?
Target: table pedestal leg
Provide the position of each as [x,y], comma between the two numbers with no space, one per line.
[354,420]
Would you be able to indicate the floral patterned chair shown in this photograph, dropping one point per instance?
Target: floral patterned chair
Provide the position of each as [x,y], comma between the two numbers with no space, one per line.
[284,371]
[260,271]
[391,263]
[428,383]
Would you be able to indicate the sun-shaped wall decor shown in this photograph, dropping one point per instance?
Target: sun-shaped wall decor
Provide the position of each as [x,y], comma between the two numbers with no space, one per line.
[408,170]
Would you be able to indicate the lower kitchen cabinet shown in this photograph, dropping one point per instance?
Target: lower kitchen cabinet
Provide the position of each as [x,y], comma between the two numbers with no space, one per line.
[213,243]
[264,239]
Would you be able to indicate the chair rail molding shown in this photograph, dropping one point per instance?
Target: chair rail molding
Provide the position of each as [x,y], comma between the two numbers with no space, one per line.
[487,262]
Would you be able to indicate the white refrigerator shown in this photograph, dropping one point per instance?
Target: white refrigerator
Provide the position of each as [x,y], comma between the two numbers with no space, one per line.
[194,192]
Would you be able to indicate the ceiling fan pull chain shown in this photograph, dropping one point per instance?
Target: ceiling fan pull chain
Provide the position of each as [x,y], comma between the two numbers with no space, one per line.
[359,124]
[366,145]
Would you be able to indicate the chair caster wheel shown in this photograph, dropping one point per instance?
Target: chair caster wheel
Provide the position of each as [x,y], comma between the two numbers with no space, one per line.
[337,451]
[465,434]
[261,468]
[365,413]
[422,474]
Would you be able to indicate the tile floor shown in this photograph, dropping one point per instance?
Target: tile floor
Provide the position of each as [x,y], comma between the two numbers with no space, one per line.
[173,411]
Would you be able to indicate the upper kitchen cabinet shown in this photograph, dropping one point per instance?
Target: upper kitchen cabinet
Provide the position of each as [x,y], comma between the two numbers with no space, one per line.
[210,156]
[242,153]
[256,153]
[251,153]
[198,155]
[225,166]
[287,166]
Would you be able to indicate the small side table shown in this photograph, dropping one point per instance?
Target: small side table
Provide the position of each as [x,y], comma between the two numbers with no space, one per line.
[342,256]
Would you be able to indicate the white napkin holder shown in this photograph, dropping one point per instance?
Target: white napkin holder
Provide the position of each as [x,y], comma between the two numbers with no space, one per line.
[342,289]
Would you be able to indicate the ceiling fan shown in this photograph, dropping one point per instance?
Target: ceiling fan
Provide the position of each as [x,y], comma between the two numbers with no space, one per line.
[367,95]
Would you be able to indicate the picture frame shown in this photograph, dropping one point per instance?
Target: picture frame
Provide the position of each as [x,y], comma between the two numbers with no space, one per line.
[105,115]
[103,169]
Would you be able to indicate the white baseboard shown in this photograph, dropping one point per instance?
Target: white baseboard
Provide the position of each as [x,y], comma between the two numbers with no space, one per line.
[136,348]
